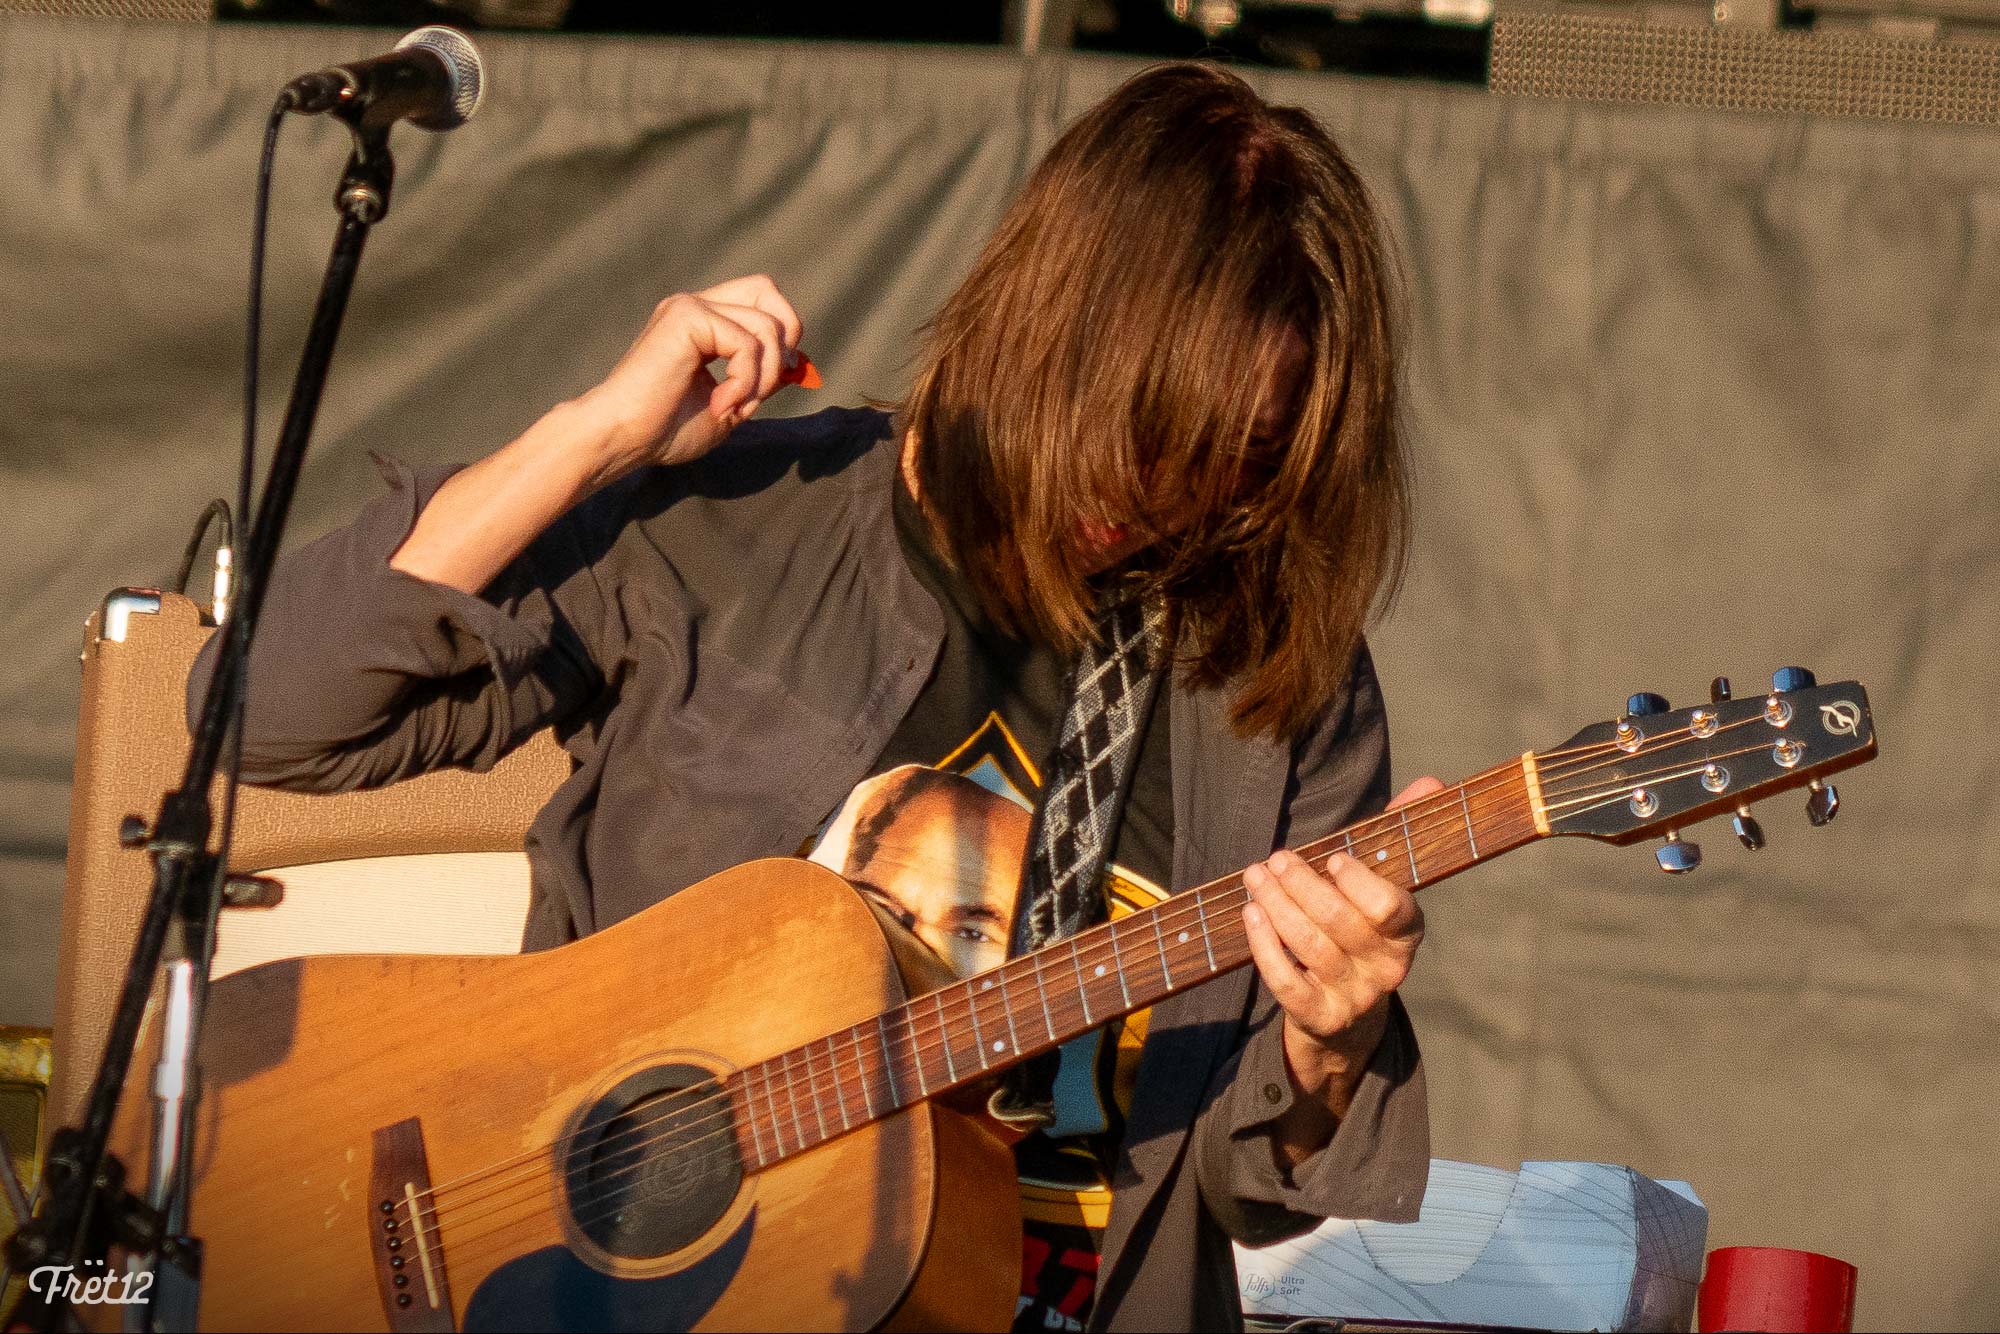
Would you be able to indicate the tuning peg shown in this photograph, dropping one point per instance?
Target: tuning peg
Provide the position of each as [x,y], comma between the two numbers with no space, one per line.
[133,831]
[1718,690]
[1646,702]
[1792,678]
[1678,856]
[1823,804]
[1748,832]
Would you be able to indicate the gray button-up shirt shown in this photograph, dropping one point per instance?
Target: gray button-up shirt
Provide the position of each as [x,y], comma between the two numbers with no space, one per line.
[724,648]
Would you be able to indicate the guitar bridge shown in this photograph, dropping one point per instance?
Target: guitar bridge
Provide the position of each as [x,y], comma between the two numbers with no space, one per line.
[407,1248]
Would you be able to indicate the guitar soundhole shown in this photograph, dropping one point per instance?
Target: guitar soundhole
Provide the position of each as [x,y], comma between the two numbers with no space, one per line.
[654,1164]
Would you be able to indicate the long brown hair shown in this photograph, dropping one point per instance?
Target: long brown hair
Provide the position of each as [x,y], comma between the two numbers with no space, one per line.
[1104,362]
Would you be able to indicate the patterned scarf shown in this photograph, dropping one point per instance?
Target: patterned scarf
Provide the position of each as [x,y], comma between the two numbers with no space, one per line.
[1109,693]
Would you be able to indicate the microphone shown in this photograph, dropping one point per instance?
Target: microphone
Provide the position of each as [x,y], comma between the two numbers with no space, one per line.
[432,79]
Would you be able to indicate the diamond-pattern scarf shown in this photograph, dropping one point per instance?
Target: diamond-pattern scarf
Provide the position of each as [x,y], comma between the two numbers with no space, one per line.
[1109,696]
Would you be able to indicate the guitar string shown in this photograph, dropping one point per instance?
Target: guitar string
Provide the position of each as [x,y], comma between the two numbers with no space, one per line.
[1624,790]
[1174,908]
[970,1005]
[1487,781]
[970,1001]
[461,1242]
[911,1041]
[705,1113]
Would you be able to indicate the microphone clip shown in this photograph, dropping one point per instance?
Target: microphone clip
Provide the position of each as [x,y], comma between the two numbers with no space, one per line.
[363,192]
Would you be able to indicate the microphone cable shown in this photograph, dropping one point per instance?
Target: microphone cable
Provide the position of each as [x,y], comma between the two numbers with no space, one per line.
[232,759]
[232,766]
[252,337]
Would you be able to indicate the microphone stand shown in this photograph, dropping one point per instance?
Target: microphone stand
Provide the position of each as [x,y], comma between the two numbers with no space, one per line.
[88,1209]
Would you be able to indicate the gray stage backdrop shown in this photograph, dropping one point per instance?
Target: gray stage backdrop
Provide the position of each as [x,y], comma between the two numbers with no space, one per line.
[1690,393]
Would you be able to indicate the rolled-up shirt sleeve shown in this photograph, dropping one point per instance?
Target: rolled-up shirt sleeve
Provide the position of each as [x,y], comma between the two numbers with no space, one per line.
[1378,1160]
[1374,1167]
[361,675]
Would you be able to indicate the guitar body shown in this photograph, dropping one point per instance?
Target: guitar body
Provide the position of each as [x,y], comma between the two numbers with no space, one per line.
[472,1087]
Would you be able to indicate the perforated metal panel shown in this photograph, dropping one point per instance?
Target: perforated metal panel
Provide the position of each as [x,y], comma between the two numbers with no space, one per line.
[178,11]
[1599,58]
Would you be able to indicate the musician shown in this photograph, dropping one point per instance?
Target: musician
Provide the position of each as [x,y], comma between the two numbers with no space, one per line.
[1169,378]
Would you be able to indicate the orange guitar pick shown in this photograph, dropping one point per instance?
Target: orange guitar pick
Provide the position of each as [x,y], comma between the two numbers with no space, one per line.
[805,375]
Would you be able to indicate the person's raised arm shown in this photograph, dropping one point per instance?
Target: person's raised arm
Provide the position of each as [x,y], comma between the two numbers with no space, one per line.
[659,404]
[455,617]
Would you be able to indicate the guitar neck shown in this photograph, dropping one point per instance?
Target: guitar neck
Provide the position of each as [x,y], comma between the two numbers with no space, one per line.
[986,1023]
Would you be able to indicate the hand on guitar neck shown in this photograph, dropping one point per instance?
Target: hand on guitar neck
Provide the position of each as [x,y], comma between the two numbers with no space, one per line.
[1331,947]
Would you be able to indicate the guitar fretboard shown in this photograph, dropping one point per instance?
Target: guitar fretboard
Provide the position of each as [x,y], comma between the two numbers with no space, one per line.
[965,1031]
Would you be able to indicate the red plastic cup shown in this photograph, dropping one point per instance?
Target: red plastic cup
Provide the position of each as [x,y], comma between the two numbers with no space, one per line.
[1771,1288]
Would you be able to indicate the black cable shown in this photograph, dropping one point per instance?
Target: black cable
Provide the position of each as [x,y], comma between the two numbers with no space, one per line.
[252,334]
[217,508]
[256,312]
[233,764]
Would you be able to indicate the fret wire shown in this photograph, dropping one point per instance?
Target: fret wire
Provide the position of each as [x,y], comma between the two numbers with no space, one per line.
[1007,1009]
[812,1089]
[1416,877]
[1463,806]
[750,1115]
[1118,963]
[777,1119]
[972,1008]
[1041,990]
[792,1097]
[1492,783]
[1082,991]
[838,1093]
[1203,909]
[861,1068]
[916,1057]
[1149,953]
[751,1072]
[1131,927]
[944,1039]
[1201,917]
[1503,818]
[758,1151]
[889,1061]
[1166,964]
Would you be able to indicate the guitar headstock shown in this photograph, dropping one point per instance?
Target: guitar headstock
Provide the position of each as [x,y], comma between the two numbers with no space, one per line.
[1653,770]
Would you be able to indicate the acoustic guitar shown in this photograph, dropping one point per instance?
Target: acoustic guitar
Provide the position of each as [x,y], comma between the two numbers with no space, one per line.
[680,1124]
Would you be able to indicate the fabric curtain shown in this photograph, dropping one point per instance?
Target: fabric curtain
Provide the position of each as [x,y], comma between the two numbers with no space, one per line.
[1689,393]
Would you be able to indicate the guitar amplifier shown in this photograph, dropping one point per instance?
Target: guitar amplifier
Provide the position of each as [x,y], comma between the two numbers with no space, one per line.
[24,1100]
[345,860]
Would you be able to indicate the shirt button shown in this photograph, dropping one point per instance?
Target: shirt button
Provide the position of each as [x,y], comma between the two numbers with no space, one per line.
[909,664]
[1273,1094]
